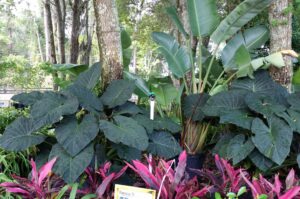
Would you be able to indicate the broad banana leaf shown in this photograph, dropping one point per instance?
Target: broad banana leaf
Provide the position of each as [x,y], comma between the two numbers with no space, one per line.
[203,16]
[171,11]
[240,16]
[177,56]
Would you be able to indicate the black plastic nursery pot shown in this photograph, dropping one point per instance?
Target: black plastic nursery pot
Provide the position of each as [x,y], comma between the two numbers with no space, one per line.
[194,161]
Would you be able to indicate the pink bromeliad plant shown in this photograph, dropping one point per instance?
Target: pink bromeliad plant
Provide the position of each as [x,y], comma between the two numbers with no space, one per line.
[261,188]
[43,184]
[170,183]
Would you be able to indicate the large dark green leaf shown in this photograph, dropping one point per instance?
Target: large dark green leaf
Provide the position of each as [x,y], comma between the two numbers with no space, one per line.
[222,145]
[171,11]
[75,69]
[239,148]
[139,82]
[203,16]
[252,38]
[292,117]
[52,107]
[260,160]
[127,153]
[68,167]
[177,57]
[163,144]
[125,130]
[19,135]
[263,104]
[117,93]
[86,98]
[166,124]
[129,108]
[237,117]
[262,84]
[90,77]
[145,122]
[225,102]
[240,16]
[294,101]
[75,136]
[273,141]
[165,94]
[193,104]
[28,99]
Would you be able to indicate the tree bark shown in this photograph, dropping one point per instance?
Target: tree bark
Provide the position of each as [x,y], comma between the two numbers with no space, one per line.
[280,20]
[109,40]
[61,29]
[86,46]
[74,50]
[49,34]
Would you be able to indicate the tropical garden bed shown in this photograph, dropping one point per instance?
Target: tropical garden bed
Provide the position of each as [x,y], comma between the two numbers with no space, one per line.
[221,126]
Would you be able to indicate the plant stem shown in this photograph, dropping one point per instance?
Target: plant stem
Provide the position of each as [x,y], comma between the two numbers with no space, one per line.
[186,86]
[194,86]
[216,82]
[200,63]
[209,69]
[230,78]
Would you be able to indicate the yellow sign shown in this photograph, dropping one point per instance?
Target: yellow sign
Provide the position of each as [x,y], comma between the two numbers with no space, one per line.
[128,192]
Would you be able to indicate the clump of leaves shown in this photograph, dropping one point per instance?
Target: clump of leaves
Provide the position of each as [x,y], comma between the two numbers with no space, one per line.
[263,114]
[80,120]
[43,184]
[99,182]
[262,188]
[225,180]
[169,182]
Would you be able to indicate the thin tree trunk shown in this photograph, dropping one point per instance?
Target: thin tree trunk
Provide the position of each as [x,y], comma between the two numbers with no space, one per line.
[39,42]
[74,50]
[50,45]
[61,30]
[281,39]
[109,40]
[86,46]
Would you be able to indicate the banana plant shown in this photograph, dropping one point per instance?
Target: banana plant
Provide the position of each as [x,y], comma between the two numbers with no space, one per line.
[200,72]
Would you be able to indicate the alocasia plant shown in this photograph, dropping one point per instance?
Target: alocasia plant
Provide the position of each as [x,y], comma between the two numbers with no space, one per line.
[43,183]
[262,187]
[82,120]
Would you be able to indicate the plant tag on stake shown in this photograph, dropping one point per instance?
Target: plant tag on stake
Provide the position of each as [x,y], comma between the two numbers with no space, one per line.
[128,192]
[152,108]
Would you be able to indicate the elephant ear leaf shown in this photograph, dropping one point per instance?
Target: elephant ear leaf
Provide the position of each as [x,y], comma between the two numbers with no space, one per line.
[126,131]
[273,141]
[74,136]
[164,144]
[203,16]
[19,135]
[240,16]
[177,57]
[117,93]
[71,167]
[90,77]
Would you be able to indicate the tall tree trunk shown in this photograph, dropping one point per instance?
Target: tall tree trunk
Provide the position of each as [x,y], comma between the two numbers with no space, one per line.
[50,45]
[280,20]
[109,40]
[74,50]
[61,29]
[86,46]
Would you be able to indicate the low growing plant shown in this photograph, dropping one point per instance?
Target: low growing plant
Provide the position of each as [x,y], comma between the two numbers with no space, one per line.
[169,182]
[262,188]
[43,184]
[84,126]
